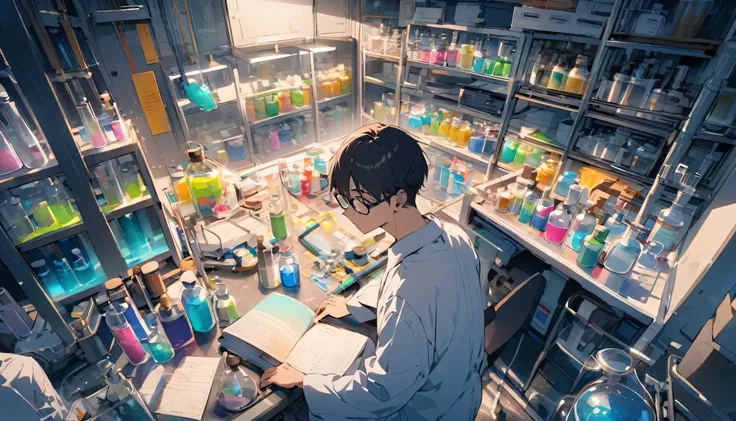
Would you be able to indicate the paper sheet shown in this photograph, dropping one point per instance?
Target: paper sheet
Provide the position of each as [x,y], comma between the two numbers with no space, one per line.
[186,392]
[326,349]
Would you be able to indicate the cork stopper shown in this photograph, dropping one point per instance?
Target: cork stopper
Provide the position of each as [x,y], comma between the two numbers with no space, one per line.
[165,301]
[195,155]
[232,361]
[150,267]
[113,284]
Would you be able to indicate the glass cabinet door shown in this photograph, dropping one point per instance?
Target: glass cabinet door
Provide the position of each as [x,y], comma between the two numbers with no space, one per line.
[276,87]
[334,63]
[220,131]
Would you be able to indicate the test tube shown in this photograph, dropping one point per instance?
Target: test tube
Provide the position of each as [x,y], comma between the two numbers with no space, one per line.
[91,125]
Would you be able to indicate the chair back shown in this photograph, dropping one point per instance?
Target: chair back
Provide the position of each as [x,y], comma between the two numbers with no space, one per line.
[513,313]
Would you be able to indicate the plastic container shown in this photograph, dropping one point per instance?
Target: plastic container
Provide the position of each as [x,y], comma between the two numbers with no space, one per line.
[528,205]
[545,207]
[463,136]
[576,81]
[444,129]
[559,222]
[289,268]
[455,130]
[197,304]
[557,76]
[618,395]
[644,159]
[582,226]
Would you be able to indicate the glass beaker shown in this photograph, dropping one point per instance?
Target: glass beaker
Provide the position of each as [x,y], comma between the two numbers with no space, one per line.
[618,395]
[83,269]
[59,203]
[268,276]
[278,218]
[19,134]
[131,181]
[134,236]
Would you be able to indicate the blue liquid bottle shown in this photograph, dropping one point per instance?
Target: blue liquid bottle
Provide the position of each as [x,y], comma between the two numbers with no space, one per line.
[528,205]
[66,276]
[541,214]
[582,226]
[133,235]
[197,304]
[82,268]
[175,323]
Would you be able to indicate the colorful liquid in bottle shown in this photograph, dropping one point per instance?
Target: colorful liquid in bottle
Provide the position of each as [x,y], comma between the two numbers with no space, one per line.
[577,239]
[179,331]
[200,314]
[290,275]
[588,256]
[130,345]
[527,210]
[161,351]
[134,189]
[63,211]
[136,322]
[278,226]
[555,234]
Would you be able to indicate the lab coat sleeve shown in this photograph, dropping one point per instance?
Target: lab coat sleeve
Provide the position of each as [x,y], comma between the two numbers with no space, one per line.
[386,381]
[362,306]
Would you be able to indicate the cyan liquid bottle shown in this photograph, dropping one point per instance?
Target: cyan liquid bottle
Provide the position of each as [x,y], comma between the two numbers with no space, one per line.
[592,247]
[197,304]
[158,343]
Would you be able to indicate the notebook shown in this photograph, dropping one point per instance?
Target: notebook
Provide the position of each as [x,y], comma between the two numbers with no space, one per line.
[280,329]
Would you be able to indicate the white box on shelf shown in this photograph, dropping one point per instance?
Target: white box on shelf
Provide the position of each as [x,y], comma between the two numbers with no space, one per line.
[585,24]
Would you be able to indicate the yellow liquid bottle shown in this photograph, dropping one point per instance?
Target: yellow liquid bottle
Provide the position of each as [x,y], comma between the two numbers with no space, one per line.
[575,81]
[454,129]
[464,135]
[444,131]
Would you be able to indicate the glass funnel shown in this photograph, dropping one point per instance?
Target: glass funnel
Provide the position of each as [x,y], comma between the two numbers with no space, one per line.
[618,395]
[622,255]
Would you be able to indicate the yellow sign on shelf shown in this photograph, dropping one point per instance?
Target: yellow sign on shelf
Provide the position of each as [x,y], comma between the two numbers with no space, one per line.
[151,102]
[149,48]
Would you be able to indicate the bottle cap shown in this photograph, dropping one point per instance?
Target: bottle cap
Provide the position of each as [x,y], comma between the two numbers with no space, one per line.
[150,267]
[232,360]
[165,301]
[222,293]
[195,154]
[113,284]
[188,279]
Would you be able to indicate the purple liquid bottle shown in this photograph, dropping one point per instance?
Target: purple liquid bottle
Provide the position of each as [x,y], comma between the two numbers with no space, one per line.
[175,323]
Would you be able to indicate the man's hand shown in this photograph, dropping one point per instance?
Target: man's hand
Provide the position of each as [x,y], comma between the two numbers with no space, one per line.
[331,307]
[284,376]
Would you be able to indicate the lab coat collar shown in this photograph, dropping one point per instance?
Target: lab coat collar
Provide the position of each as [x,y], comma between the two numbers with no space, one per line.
[413,242]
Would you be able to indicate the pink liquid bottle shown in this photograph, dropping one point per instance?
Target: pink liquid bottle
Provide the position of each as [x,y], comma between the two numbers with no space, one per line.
[275,140]
[427,43]
[125,336]
[9,161]
[559,222]
[94,131]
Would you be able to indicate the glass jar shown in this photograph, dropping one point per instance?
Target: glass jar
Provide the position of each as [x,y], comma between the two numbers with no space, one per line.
[466,57]
[618,395]
[546,172]
[503,200]
[20,224]
[455,130]
[204,181]
[237,388]
[196,303]
[289,268]
[520,156]
[508,153]
[622,255]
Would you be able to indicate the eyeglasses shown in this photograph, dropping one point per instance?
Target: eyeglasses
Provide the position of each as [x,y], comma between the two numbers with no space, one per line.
[360,204]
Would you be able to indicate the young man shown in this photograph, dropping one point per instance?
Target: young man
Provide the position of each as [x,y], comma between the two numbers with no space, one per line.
[429,356]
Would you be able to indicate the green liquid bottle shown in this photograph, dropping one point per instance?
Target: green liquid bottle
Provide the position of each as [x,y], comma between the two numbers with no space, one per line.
[204,182]
[278,219]
[592,247]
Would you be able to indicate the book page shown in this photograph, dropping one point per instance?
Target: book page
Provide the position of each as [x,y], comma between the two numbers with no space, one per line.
[187,390]
[273,326]
[326,349]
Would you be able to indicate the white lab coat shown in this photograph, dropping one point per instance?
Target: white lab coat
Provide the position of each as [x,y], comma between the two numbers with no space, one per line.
[429,356]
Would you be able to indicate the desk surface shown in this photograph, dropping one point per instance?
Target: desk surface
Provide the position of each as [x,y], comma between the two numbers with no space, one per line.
[622,292]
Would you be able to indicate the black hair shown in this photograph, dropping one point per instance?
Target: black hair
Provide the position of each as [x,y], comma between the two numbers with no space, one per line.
[380,160]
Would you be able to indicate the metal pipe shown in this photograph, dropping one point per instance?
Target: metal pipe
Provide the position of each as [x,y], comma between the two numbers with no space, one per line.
[708,95]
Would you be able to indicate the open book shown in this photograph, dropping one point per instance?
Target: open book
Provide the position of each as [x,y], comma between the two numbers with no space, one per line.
[280,329]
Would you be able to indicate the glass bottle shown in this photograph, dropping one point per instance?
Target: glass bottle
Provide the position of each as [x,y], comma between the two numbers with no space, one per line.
[528,205]
[582,225]
[268,275]
[454,130]
[20,224]
[289,268]
[616,227]
[463,137]
[434,125]
[131,182]
[175,322]
[125,336]
[123,302]
[592,247]
[204,182]
[575,81]
[415,121]
[520,156]
[518,197]
[197,304]
[437,53]
[237,388]
[503,62]
[66,276]
[451,57]
[278,218]
[158,343]
[503,199]
[227,310]
[478,59]
[508,153]
[48,279]
[564,182]
[135,238]
[83,269]
[546,172]
[444,129]
[559,221]
[558,75]
[491,58]
[538,69]
[621,256]
[545,206]
[466,57]
[618,395]
[91,124]
[58,199]
[20,135]
[427,43]
[670,221]
[109,185]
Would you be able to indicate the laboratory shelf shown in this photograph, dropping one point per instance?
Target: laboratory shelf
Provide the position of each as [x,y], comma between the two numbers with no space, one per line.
[636,124]
[550,97]
[695,46]
[285,151]
[51,237]
[380,82]
[87,291]
[189,108]
[28,175]
[457,71]
[506,166]
[609,166]
[580,39]
[281,117]
[94,156]
[328,102]
[446,103]
[380,56]
[462,153]
[530,141]
[130,207]
[672,49]
[504,34]
[715,137]
[616,290]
